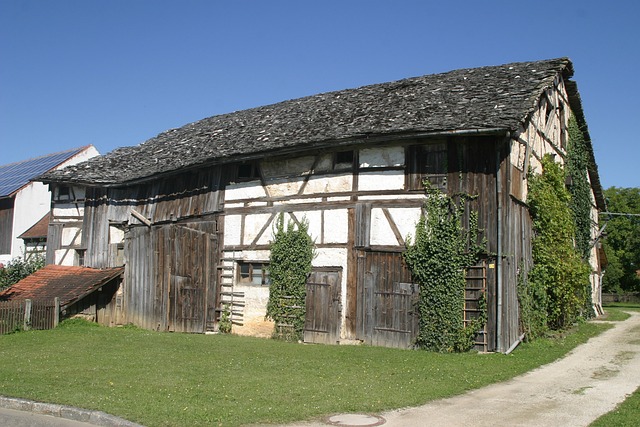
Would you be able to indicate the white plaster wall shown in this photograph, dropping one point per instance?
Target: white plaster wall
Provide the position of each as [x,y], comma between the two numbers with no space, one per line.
[32,202]
[255,299]
[336,226]
[381,157]
[329,184]
[381,180]
[116,235]
[252,226]
[71,236]
[67,257]
[405,220]
[244,190]
[283,187]
[232,230]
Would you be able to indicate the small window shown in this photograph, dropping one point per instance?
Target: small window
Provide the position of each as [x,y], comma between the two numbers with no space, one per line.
[80,254]
[64,193]
[253,273]
[344,159]
[427,162]
[247,171]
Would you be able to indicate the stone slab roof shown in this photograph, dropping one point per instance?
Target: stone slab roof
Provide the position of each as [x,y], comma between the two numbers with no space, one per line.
[70,284]
[476,99]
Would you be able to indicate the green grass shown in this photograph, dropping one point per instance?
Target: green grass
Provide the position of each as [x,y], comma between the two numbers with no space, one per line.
[615,311]
[626,414]
[164,379]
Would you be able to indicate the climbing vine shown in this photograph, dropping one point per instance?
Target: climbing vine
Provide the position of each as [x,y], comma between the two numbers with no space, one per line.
[437,258]
[558,287]
[579,188]
[292,251]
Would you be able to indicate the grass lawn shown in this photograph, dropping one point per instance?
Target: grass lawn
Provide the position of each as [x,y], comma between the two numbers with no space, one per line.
[625,415]
[615,311]
[164,379]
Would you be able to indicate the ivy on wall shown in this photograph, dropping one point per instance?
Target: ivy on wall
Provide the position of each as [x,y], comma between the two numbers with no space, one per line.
[292,251]
[579,187]
[558,288]
[437,258]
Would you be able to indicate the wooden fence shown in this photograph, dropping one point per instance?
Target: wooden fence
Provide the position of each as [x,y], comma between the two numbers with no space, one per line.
[28,314]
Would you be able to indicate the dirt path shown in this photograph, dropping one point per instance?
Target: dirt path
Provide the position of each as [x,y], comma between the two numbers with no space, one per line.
[573,391]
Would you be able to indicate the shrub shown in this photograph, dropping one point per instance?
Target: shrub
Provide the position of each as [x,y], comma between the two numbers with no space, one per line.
[17,269]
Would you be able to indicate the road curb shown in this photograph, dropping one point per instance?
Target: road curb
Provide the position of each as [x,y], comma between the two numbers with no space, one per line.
[97,418]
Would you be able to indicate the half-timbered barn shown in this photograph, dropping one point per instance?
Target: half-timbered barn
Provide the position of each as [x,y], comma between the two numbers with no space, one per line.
[190,212]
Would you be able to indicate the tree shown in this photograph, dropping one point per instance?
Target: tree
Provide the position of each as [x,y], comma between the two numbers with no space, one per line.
[622,244]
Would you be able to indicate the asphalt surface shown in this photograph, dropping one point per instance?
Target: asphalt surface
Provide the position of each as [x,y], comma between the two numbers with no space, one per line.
[13,418]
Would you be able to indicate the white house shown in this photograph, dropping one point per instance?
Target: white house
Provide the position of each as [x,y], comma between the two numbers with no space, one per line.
[23,202]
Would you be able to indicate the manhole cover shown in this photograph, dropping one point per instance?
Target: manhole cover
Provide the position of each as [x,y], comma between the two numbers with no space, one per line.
[355,420]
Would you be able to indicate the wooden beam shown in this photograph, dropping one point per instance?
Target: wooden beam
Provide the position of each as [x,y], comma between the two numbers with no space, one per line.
[140,217]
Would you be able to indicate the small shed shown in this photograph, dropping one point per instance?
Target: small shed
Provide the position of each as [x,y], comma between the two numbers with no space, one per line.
[89,292]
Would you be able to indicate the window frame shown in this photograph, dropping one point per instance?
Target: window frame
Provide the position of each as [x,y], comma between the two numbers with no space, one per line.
[418,169]
[248,279]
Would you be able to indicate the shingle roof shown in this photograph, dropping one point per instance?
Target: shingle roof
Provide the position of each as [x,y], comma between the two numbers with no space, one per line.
[496,97]
[38,230]
[15,175]
[70,284]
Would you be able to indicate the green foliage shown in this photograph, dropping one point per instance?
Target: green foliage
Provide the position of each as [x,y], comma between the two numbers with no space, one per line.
[579,187]
[437,260]
[17,269]
[224,325]
[622,244]
[292,251]
[558,284]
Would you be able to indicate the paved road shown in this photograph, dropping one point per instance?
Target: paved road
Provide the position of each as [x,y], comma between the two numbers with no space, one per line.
[12,418]
[589,382]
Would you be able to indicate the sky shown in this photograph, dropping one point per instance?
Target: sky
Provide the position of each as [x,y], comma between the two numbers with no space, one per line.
[115,73]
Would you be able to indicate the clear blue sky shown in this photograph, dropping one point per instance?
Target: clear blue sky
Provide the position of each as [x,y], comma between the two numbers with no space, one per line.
[118,72]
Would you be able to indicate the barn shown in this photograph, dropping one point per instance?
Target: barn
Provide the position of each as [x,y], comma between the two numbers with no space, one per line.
[190,213]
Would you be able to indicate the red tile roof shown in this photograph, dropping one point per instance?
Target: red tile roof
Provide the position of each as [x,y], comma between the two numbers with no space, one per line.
[37,230]
[70,284]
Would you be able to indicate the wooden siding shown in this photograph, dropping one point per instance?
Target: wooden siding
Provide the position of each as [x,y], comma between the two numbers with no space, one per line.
[323,307]
[386,314]
[193,194]
[28,314]
[472,170]
[6,225]
[171,281]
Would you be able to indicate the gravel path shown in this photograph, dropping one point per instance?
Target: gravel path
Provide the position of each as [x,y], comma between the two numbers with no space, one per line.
[573,391]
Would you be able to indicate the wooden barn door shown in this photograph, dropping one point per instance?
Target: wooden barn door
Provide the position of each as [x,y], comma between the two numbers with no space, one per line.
[191,280]
[323,307]
[386,314]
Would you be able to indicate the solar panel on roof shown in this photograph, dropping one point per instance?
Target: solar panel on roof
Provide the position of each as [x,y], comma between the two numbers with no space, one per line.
[15,175]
